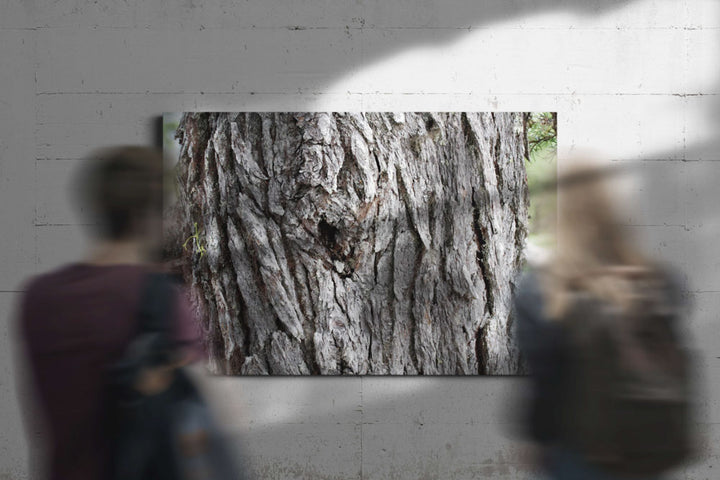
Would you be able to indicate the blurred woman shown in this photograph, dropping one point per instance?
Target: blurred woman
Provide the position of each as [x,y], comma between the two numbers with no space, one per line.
[595,323]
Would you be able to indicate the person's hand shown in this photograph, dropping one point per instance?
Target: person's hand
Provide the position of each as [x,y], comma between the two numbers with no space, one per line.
[154,380]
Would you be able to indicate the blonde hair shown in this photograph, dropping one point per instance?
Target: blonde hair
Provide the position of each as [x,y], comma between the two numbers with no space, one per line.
[595,254]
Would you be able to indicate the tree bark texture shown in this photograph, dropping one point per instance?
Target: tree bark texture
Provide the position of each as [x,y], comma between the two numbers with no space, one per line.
[354,243]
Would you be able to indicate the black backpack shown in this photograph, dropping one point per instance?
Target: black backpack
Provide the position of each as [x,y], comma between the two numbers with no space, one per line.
[147,432]
[628,404]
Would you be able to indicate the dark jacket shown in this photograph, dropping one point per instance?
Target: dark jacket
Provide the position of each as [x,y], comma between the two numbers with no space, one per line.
[550,416]
[544,347]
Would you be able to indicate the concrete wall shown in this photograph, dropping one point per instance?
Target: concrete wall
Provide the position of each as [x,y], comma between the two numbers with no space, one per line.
[635,80]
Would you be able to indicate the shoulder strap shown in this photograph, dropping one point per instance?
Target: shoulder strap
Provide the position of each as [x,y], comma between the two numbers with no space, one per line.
[156,311]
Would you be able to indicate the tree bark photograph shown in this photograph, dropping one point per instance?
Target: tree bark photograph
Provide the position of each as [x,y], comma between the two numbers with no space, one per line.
[351,243]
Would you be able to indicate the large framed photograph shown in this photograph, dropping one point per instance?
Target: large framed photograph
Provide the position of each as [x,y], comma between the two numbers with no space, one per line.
[373,243]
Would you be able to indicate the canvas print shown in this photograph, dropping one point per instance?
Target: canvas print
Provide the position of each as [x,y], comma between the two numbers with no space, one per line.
[375,243]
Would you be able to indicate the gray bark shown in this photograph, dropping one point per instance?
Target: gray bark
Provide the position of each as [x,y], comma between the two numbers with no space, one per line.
[354,243]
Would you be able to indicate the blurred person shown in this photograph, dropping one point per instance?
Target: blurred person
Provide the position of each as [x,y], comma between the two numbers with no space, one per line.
[609,396]
[77,320]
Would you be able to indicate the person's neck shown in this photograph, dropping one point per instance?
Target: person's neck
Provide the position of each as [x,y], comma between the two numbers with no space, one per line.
[117,252]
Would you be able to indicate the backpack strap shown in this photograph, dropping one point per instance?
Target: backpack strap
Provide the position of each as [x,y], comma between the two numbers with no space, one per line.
[155,312]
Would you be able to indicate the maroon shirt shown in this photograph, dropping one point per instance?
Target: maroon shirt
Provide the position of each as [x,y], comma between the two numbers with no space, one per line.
[74,323]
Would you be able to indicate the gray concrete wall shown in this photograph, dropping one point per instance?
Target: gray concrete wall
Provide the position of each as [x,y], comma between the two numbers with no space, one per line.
[637,81]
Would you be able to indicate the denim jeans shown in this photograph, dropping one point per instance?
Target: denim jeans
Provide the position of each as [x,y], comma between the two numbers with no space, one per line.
[565,464]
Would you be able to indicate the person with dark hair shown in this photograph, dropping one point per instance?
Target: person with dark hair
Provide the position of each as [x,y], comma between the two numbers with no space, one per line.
[77,320]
